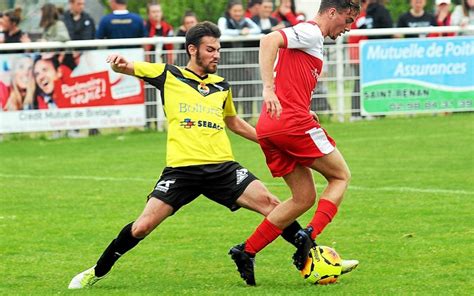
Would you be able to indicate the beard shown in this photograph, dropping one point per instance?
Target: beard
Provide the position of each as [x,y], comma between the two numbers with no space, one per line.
[209,68]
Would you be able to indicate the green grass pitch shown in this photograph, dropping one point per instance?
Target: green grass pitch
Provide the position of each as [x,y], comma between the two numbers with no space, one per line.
[407,215]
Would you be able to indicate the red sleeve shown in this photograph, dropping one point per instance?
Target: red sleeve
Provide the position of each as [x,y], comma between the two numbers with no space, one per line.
[285,39]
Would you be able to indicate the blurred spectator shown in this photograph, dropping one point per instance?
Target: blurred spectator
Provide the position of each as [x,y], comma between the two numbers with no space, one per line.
[463,15]
[286,13]
[234,23]
[120,23]
[21,90]
[359,23]
[156,26]
[79,23]
[417,17]
[443,15]
[265,21]
[253,8]
[53,28]
[189,20]
[2,34]
[12,34]
[377,16]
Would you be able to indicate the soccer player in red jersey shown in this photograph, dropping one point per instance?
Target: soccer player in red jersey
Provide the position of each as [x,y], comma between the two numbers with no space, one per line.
[290,135]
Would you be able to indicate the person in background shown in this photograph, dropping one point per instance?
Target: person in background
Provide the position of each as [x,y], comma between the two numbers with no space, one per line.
[79,23]
[377,17]
[11,31]
[188,21]
[264,19]
[234,23]
[2,34]
[443,15]
[53,28]
[359,23]
[463,15]
[253,8]
[156,26]
[286,13]
[120,23]
[80,26]
[417,17]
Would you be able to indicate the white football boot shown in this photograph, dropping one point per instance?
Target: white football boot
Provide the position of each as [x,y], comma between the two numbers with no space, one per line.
[349,265]
[84,279]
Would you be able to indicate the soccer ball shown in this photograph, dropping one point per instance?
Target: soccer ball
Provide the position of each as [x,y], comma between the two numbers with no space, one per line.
[322,267]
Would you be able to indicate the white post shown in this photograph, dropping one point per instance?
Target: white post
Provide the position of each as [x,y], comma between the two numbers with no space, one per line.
[160,114]
[340,79]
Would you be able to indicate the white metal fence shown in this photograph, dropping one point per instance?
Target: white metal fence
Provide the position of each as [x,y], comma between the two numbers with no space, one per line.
[336,94]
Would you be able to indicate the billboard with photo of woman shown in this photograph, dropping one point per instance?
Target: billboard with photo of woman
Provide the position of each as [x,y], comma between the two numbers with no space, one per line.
[51,91]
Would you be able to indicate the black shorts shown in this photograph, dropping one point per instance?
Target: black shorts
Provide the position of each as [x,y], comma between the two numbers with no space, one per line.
[223,183]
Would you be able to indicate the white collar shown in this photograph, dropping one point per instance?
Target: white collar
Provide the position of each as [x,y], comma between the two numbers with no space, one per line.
[120,11]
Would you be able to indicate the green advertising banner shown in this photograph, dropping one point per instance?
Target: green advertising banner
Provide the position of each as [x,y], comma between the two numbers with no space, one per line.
[417,75]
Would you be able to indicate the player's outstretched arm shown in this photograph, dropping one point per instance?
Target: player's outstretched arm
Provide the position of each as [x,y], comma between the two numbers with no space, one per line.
[241,127]
[119,64]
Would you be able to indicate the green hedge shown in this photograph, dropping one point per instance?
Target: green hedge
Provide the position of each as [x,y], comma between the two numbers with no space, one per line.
[174,9]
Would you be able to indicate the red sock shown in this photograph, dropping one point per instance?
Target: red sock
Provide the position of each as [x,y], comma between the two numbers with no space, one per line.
[265,233]
[324,213]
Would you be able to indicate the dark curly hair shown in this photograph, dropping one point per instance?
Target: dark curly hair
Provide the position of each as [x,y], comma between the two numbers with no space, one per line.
[195,34]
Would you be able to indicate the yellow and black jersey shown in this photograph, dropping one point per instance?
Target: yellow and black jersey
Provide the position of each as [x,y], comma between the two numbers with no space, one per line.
[195,109]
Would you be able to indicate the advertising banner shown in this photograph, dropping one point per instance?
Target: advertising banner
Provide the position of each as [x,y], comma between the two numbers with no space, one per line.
[59,91]
[417,75]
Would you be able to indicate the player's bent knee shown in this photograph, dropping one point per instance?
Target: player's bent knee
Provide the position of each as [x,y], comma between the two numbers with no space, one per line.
[342,175]
[305,202]
[347,176]
[142,229]
[308,203]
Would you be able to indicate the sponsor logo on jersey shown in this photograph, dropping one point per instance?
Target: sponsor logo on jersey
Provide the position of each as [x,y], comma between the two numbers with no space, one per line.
[242,174]
[203,89]
[164,185]
[199,108]
[187,123]
[209,124]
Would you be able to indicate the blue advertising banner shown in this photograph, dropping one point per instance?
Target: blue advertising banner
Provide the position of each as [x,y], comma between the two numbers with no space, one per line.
[417,75]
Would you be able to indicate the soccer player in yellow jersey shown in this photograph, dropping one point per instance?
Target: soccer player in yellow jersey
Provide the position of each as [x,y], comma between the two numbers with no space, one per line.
[199,108]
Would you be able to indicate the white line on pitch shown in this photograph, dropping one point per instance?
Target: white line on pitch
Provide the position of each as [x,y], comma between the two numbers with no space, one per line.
[66,177]
[397,189]
[270,184]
